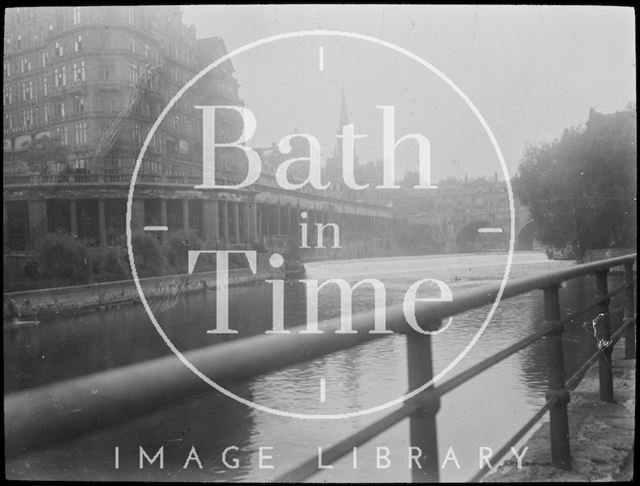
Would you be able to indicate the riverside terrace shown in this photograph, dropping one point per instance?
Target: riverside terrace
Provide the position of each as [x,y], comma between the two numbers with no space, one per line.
[240,360]
[93,207]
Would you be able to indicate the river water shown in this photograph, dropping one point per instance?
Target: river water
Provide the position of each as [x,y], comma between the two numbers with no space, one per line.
[484,412]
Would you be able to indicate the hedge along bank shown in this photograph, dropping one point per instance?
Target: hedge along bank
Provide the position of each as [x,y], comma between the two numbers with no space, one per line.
[83,298]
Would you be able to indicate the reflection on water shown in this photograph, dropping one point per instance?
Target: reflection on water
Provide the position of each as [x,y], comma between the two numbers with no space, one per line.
[483,413]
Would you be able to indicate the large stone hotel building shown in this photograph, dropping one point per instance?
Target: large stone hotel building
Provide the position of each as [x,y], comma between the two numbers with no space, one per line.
[82,87]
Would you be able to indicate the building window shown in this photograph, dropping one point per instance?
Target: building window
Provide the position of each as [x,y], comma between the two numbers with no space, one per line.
[19,42]
[76,16]
[80,164]
[157,142]
[63,133]
[135,132]
[132,16]
[107,68]
[81,133]
[58,108]
[77,45]
[133,73]
[78,105]
[59,49]
[146,50]
[43,58]
[45,85]
[8,96]
[27,91]
[153,167]
[78,72]
[7,69]
[46,113]
[28,117]
[132,44]
[60,76]
[25,65]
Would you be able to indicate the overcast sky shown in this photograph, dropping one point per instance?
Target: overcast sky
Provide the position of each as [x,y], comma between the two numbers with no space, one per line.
[531,71]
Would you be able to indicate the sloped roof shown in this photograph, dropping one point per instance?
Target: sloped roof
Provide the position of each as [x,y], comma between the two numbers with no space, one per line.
[211,48]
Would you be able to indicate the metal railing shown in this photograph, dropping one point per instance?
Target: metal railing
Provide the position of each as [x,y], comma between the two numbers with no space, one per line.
[39,417]
[121,179]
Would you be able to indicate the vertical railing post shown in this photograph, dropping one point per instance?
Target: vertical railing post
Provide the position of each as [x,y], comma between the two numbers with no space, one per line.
[629,314]
[559,420]
[603,333]
[422,422]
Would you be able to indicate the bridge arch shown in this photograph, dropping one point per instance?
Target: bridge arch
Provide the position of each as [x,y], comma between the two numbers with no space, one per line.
[526,236]
[469,239]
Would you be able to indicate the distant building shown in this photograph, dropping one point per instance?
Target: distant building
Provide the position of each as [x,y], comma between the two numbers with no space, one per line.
[68,73]
[448,218]
[333,164]
[370,173]
[95,79]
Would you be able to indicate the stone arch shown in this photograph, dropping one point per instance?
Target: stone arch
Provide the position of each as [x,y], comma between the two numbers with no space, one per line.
[469,239]
[526,236]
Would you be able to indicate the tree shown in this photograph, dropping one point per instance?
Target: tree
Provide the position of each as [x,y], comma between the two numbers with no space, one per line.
[410,180]
[149,259]
[63,257]
[45,154]
[177,247]
[581,188]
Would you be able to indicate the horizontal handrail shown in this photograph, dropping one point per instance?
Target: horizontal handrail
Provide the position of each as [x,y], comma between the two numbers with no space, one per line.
[596,302]
[332,453]
[577,376]
[571,383]
[34,418]
[473,371]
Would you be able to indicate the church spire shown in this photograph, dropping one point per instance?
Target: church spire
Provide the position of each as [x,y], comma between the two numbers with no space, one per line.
[335,162]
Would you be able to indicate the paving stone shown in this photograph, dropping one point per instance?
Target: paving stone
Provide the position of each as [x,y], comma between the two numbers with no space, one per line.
[601,434]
